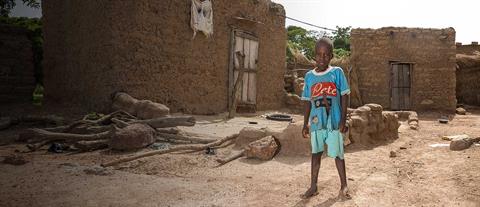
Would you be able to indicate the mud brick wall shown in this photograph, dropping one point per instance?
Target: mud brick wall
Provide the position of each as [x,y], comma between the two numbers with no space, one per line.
[17,80]
[468,85]
[145,48]
[468,49]
[432,52]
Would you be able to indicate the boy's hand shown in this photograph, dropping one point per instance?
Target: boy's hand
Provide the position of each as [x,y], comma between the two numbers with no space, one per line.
[306,132]
[343,127]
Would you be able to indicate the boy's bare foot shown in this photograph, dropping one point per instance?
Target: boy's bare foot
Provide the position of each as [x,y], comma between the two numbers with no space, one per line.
[345,193]
[312,191]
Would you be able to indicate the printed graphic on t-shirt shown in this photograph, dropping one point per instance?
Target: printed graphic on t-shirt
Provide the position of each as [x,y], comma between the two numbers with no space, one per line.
[324,88]
[321,103]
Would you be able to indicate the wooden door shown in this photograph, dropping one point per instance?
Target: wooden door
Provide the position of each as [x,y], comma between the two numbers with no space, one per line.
[400,85]
[246,44]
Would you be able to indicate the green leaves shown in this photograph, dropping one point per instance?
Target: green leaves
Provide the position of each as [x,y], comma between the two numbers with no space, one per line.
[6,6]
[300,39]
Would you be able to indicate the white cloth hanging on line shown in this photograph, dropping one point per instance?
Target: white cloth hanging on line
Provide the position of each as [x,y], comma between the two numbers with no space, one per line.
[202,17]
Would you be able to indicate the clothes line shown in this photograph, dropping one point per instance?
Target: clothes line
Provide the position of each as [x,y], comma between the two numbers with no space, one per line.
[324,28]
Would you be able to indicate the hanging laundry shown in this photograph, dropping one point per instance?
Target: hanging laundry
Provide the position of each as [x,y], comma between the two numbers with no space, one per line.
[202,17]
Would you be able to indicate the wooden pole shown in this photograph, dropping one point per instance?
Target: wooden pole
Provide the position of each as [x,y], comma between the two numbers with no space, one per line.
[238,82]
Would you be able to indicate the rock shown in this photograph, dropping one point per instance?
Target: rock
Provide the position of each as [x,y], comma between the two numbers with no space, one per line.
[374,107]
[142,109]
[293,99]
[146,109]
[413,125]
[5,122]
[125,102]
[263,149]
[393,154]
[249,134]
[15,159]
[460,144]
[461,111]
[135,136]
[298,86]
[426,102]
[456,137]
[292,141]
[370,125]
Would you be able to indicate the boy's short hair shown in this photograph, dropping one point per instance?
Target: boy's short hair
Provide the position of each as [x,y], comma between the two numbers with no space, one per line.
[327,41]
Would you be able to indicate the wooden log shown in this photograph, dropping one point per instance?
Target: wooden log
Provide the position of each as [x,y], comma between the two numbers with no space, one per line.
[185,138]
[163,122]
[107,118]
[92,145]
[174,141]
[195,147]
[38,135]
[119,123]
[38,145]
[234,95]
[48,119]
[231,158]
[169,130]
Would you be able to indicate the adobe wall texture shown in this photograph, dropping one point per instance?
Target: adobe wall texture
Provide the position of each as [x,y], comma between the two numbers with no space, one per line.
[17,80]
[432,52]
[468,49]
[468,85]
[145,48]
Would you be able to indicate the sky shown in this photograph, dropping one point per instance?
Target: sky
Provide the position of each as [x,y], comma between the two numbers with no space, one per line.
[21,10]
[462,15]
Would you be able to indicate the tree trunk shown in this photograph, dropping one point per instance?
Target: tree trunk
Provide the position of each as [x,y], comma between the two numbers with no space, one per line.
[196,147]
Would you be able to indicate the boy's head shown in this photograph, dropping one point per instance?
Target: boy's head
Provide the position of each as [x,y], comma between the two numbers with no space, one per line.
[323,52]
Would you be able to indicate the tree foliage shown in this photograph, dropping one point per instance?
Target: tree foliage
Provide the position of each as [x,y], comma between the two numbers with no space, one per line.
[6,6]
[304,40]
[341,41]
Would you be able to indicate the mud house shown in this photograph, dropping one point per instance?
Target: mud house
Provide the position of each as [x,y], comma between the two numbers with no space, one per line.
[147,48]
[468,73]
[17,80]
[406,68]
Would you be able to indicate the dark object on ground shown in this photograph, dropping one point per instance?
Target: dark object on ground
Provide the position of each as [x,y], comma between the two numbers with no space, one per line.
[210,151]
[443,121]
[5,122]
[279,117]
[15,159]
[58,147]
[253,122]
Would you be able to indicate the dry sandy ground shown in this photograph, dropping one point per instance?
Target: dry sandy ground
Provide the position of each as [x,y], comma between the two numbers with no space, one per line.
[420,175]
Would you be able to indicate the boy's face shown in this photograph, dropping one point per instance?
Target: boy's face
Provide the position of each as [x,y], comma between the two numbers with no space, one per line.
[323,55]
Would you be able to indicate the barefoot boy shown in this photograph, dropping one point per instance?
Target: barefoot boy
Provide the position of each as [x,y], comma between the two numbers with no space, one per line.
[326,90]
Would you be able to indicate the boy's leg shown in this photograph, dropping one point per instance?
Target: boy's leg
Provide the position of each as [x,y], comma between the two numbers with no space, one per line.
[315,168]
[340,163]
[317,142]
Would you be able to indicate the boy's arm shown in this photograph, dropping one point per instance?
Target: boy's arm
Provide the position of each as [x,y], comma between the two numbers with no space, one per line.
[343,110]
[306,117]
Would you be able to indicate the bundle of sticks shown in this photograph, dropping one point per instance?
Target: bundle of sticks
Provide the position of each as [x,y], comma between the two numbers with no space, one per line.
[89,134]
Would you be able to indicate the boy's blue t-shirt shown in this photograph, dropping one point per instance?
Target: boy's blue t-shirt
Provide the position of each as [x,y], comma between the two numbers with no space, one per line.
[330,84]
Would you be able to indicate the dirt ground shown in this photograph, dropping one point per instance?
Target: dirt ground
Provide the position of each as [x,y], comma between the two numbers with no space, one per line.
[420,175]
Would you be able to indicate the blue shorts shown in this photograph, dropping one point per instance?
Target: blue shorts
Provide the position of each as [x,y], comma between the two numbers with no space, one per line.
[332,138]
